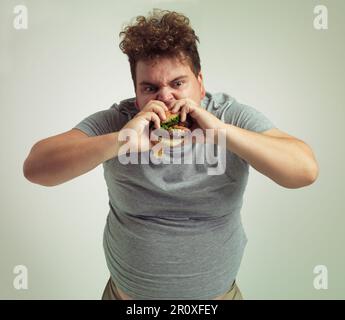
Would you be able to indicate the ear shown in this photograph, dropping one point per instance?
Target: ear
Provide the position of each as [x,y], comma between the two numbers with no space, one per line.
[201,83]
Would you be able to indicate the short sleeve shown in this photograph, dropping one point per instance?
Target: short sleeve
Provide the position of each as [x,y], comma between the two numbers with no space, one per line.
[102,122]
[246,117]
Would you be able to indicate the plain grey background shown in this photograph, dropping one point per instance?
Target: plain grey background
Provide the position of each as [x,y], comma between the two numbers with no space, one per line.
[67,65]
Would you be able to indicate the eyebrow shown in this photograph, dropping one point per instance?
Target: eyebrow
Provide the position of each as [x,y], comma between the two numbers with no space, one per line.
[145,83]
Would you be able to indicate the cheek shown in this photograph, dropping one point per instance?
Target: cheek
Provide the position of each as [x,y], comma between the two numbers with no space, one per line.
[142,101]
[139,99]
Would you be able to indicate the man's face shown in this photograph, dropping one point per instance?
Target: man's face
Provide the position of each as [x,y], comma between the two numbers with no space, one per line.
[167,80]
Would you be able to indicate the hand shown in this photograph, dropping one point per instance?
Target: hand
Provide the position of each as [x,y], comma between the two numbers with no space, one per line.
[156,106]
[135,134]
[203,119]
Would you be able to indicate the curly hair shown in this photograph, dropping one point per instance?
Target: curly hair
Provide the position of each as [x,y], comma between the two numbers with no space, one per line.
[162,34]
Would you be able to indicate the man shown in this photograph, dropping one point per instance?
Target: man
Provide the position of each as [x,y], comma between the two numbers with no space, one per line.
[173,231]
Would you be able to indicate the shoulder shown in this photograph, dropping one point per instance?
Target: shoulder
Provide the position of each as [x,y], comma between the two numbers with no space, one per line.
[217,103]
[229,110]
[126,108]
[122,112]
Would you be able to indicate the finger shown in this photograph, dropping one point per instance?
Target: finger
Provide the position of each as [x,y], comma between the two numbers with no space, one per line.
[184,112]
[160,103]
[154,105]
[154,117]
[160,111]
[177,106]
[159,108]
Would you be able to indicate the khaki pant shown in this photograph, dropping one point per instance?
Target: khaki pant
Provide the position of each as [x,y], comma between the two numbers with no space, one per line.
[111,293]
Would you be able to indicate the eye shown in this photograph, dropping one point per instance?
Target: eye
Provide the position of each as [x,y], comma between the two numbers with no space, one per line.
[149,89]
[178,83]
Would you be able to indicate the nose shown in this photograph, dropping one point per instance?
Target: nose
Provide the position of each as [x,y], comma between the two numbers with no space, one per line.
[165,95]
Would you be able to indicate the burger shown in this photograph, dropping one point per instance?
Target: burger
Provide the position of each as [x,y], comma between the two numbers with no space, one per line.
[173,131]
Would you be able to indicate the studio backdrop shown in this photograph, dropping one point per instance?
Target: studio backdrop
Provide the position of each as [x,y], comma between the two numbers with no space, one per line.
[60,62]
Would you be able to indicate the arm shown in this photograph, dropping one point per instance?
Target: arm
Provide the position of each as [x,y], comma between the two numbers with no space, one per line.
[60,158]
[286,160]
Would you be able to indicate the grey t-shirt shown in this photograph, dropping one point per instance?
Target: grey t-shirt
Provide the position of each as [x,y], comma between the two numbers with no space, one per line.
[173,230]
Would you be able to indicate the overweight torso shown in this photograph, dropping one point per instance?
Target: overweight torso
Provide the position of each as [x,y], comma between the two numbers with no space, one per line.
[174,230]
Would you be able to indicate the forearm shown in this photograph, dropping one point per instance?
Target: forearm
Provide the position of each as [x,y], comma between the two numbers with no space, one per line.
[53,162]
[288,162]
